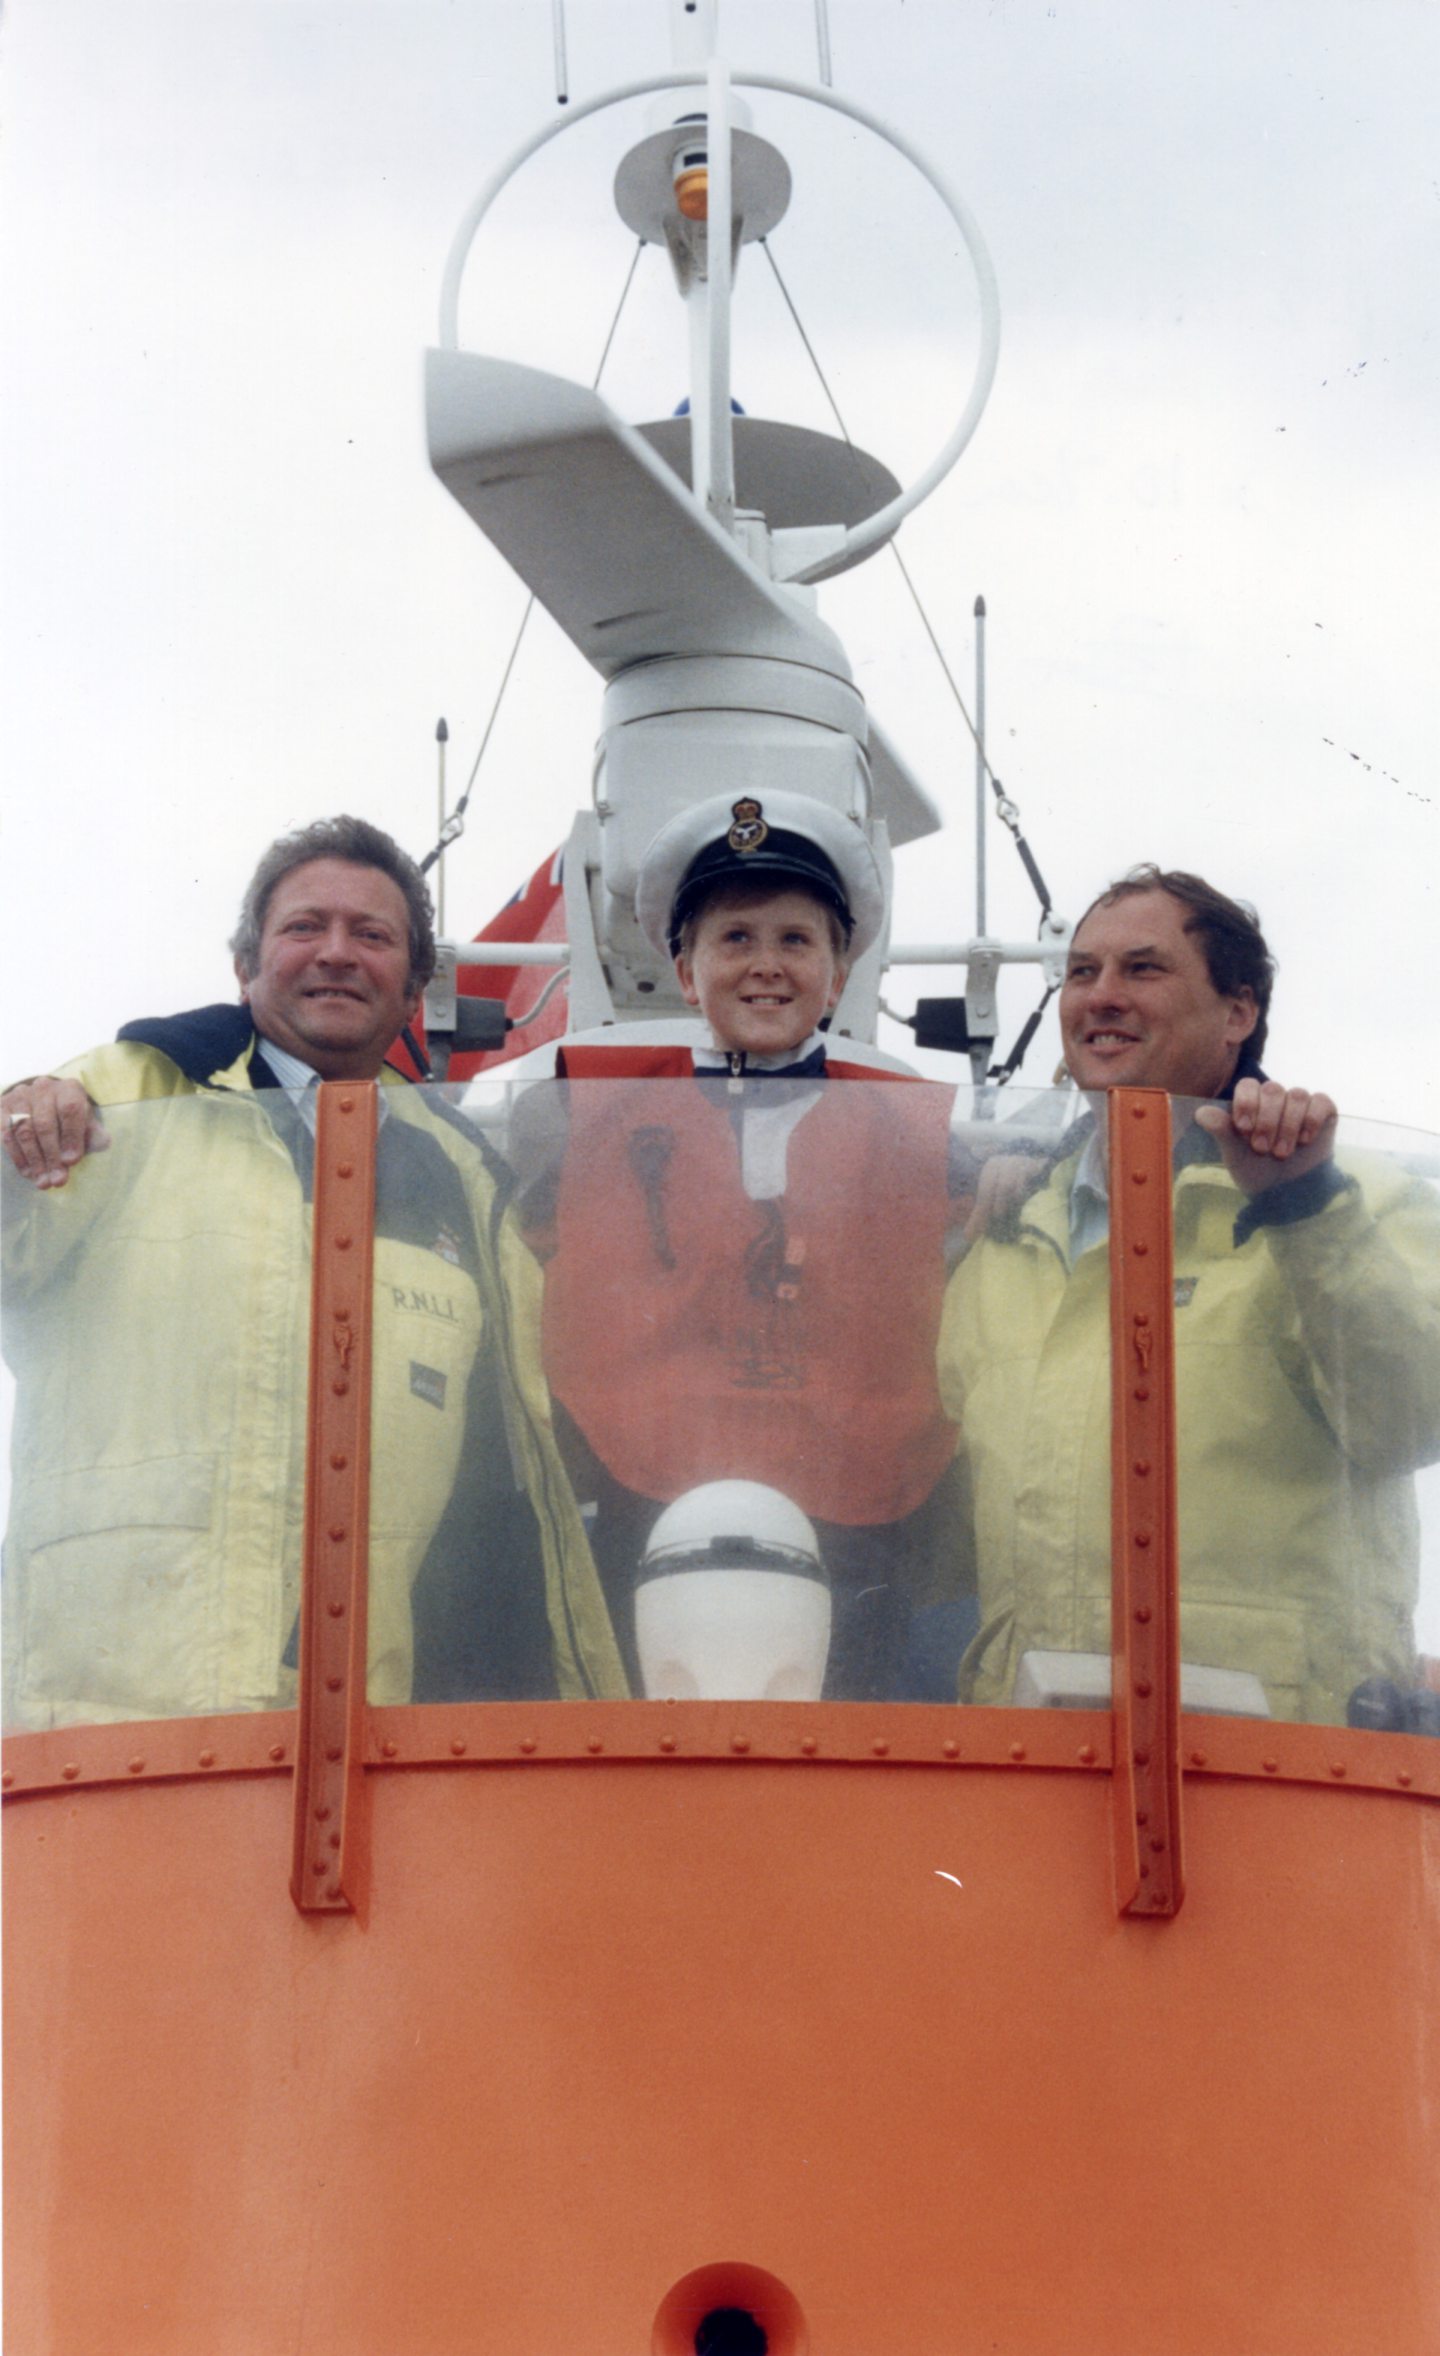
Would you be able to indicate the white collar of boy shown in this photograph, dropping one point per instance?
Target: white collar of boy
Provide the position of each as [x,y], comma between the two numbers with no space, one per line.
[766,1117]
[718,1059]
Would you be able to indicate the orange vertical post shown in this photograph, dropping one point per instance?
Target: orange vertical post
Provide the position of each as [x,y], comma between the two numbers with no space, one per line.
[1146,1832]
[330,1867]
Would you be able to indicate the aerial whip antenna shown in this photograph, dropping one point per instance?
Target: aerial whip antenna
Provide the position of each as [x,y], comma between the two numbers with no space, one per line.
[822,42]
[562,71]
[442,739]
[980,767]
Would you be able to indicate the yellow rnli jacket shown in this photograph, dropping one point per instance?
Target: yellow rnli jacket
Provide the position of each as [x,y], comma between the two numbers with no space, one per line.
[157,1323]
[1308,1392]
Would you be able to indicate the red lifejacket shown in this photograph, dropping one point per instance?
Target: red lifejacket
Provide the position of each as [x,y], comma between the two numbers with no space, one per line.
[695,1334]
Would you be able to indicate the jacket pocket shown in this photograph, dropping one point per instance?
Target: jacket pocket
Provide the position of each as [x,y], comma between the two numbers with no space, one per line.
[163,1493]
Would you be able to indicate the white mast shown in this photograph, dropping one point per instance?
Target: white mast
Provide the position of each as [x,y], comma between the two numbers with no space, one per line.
[679,555]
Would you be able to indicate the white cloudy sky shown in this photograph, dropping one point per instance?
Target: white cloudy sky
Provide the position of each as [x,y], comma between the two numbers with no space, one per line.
[1202,506]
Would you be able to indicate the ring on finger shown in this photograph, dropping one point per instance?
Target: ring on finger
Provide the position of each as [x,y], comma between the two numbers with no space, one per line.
[19,1120]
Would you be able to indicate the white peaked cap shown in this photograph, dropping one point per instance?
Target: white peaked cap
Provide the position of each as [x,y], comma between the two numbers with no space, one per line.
[710,827]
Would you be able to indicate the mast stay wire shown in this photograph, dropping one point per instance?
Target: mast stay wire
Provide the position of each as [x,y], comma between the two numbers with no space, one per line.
[1005,809]
[454,825]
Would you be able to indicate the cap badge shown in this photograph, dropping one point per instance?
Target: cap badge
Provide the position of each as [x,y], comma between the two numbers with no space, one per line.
[749,830]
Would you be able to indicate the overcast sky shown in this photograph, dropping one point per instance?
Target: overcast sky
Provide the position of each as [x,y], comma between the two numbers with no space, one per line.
[1202,505]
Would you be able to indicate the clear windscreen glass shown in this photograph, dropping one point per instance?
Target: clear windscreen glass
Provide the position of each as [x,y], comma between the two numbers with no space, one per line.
[1307,1340]
[691,1421]
[155,1337]
[790,1390]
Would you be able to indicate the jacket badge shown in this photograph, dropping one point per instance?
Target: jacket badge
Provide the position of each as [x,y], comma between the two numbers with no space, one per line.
[749,830]
[427,1382]
[447,1246]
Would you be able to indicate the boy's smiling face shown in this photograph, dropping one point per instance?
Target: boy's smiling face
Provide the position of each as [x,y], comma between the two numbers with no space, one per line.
[762,967]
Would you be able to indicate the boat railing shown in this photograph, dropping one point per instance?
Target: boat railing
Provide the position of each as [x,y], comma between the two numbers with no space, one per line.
[432,1409]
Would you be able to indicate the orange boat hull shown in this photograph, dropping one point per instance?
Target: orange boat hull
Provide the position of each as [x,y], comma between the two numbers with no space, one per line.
[875,2028]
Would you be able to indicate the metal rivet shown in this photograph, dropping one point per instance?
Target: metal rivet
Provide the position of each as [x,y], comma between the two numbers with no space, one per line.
[1404,1776]
[1144,1688]
[952,1749]
[334,1840]
[277,1751]
[527,1743]
[389,1750]
[1137,1112]
[1142,1392]
[344,1169]
[1337,1766]
[880,1747]
[1157,1844]
[594,1743]
[1270,1765]
[1144,1873]
[334,1685]
[1137,1177]
[1086,1754]
[347,1104]
[1017,1750]
[334,1890]
[336,1611]
[1142,1758]
[70,1771]
[334,1754]
[1141,1467]
[322,1815]
[342,1314]
[1142,1537]
[338,1463]
[135,1766]
[320,1867]
[207,1758]
[667,1742]
[1197,1758]
[1142,1816]
[1141,1251]
[337,1532]
[739,1742]
[1142,1614]
[343,1243]
[340,1387]
[808,1745]
[457,1747]
[7,1779]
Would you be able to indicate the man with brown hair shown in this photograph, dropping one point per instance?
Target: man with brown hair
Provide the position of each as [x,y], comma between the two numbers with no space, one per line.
[1307,1292]
[157,1306]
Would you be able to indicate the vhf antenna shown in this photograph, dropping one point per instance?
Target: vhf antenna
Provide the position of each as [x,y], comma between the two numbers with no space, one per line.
[442,739]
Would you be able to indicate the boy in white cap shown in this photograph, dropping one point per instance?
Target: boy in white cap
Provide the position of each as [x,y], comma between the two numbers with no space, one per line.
[744,1277]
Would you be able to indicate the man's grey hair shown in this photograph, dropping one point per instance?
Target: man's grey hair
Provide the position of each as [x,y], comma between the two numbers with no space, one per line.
[363,845]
